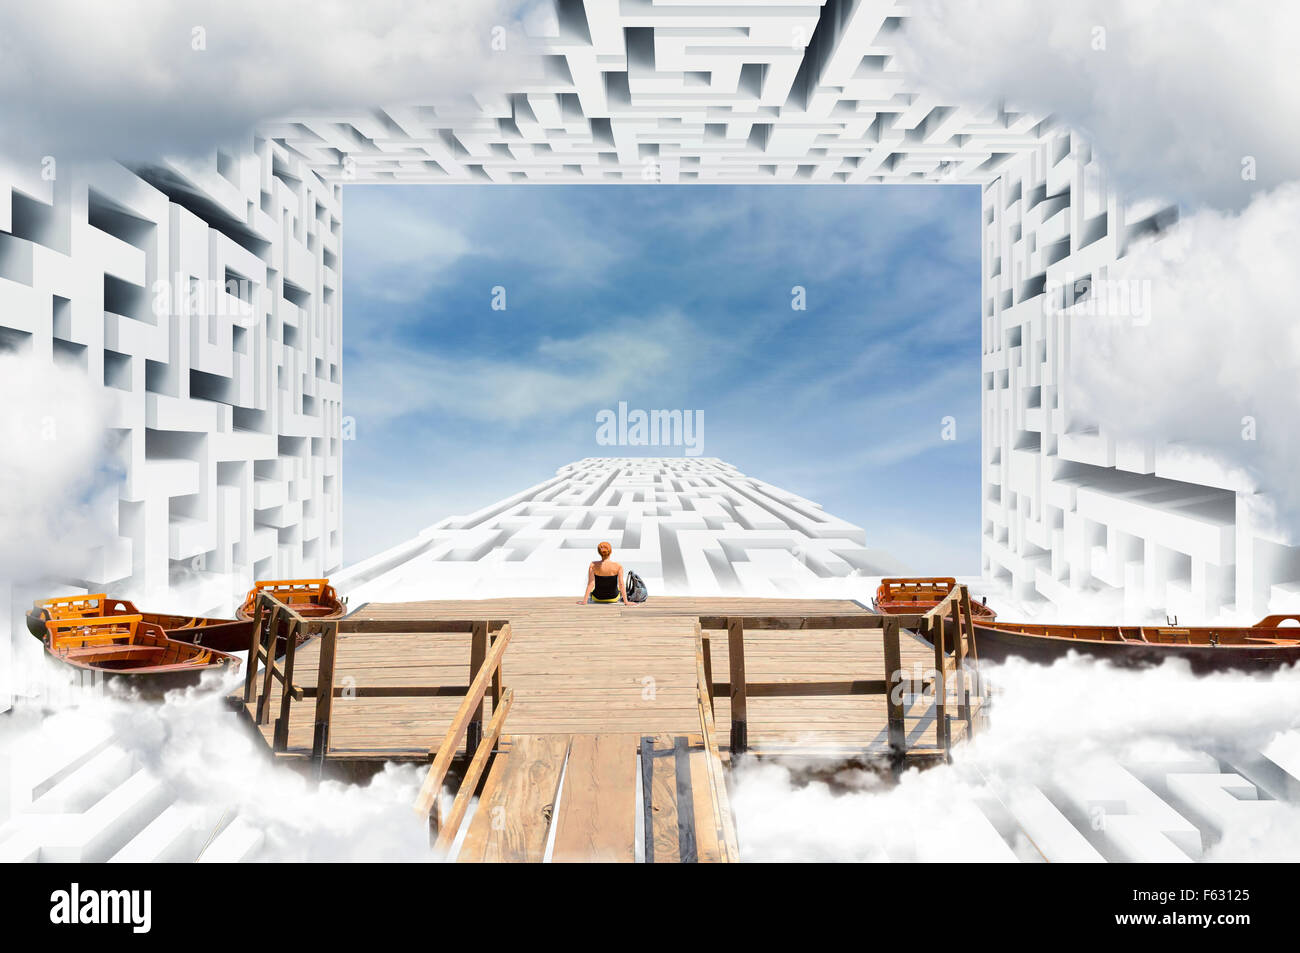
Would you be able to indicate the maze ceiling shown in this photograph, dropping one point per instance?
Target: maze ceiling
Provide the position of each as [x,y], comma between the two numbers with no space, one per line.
[641,91]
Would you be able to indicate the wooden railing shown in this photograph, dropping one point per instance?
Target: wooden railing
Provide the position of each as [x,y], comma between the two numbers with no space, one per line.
[274,619]
[487,677]
[894,684]
[727,844]
[950,628]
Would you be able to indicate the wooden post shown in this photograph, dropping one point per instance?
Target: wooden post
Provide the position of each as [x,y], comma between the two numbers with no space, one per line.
[969,621]
[941,738]
[280,737]
[893,677]
[264,702]
[707,650]
[736,674]
[959,655]
[495,691]
[254,642]
[478,645]
[324,696]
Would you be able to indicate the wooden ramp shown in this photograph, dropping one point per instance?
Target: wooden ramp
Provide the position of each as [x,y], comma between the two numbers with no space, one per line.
[612,798]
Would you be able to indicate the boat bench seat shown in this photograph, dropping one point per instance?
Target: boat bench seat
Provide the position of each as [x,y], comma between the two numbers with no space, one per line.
[117,650]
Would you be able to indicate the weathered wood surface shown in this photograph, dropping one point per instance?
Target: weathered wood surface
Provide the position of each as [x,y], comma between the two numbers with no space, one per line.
[601,669]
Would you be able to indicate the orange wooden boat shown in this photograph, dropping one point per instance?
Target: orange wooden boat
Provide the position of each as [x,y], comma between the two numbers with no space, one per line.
[1266,645]
[224,635]
[311,598]
[912,596]
[124,647]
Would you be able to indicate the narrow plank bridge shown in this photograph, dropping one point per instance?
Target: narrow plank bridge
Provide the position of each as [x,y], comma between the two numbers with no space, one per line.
[589,732]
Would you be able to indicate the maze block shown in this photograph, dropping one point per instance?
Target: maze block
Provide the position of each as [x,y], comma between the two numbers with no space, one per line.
[687,525]
[203,300]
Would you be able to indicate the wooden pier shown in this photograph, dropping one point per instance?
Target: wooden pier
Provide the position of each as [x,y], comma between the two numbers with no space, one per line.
[555,712]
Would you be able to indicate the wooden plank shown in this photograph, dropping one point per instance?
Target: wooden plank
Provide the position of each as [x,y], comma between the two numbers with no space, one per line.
[391,691]
[663,845]
[687,849]
[406,626]
[707,829]
[514,813]
[799,689]
[598,805]
[449,827]
[863,621]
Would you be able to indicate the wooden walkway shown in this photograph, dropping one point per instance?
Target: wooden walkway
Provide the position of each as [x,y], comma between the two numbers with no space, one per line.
[606,726]
[608,798]
[603,669]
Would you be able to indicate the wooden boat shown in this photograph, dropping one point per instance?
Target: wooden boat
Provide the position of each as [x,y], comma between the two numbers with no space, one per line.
[224,635]
[126,648]
[912,596]
[1266,645]
[311,598]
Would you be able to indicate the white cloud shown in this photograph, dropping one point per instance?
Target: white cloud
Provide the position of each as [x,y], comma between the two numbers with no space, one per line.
[560,375]
[402,242]
[125,78]
[1172,104]
[1222,344]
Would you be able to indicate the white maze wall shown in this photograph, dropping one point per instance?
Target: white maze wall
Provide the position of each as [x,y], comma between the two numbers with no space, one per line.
[1071,513]
[203,300]
[693,525]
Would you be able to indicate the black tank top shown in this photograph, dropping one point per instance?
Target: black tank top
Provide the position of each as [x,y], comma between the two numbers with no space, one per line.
[606,587]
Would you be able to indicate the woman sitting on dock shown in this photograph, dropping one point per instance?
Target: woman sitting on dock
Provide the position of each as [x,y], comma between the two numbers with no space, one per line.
[605,579]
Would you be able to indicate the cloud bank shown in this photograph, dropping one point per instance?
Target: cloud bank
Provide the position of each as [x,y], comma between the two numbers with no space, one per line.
[1213,368]
[1054,729]
[1172,97]
[135,79]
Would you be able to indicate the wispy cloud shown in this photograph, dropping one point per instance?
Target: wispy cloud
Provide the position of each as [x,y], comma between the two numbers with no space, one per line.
[406,241]
[388,379]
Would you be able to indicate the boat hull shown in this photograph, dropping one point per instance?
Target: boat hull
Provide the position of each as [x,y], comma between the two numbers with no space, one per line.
[149,686]
[998,645]
[224,635]
[335,611]
[124,650]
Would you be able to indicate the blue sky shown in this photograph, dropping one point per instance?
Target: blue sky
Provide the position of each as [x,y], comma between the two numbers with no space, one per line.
[673,297]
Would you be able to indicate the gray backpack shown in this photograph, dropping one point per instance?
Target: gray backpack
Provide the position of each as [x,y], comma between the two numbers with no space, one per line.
[635,587]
